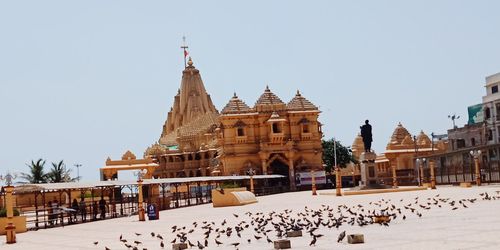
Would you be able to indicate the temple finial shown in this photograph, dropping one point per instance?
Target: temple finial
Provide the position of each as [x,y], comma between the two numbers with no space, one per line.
[190,62]
[184,47]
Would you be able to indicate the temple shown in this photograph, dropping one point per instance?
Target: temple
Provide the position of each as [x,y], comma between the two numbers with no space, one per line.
[272,137]
[400,154]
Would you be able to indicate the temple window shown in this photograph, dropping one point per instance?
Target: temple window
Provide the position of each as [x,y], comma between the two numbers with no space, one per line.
[276,128]
[305,128]
[240,131]
[494,89]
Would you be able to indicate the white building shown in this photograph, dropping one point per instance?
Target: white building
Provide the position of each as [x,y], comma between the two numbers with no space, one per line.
[491,107]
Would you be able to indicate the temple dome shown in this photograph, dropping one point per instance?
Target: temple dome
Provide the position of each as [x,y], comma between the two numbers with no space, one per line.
[300,103]
[358,146]
[268,102]
[236,106]
[423,139]
[399,134]
[193,110]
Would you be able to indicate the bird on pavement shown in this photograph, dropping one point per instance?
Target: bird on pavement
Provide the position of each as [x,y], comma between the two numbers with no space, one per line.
[341,236]
[218,242]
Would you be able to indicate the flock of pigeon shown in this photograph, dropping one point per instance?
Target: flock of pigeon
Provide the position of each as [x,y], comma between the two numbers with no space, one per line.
[315,223]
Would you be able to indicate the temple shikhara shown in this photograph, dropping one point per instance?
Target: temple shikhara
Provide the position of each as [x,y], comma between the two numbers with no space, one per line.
[272,137]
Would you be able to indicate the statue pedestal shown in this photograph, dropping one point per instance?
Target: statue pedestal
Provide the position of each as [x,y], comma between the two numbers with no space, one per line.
[369,173]
[368,170]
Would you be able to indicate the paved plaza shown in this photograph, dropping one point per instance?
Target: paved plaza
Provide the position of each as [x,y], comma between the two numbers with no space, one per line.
[451,218]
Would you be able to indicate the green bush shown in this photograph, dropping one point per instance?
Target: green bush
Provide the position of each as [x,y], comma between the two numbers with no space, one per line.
[3,212]
[229,185]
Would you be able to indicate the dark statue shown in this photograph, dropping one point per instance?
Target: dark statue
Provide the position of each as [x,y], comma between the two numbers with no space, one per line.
[366,133]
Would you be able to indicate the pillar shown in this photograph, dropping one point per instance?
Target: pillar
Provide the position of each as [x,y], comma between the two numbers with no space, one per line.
[338,182]
[421,173]
[10,228]
[313,182]
[478,172]
[433,175]
[140,201]
[394,177]
[291,175]
[264,166]
[251,184]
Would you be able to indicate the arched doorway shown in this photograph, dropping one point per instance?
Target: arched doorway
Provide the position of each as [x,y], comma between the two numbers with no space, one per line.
[278,166]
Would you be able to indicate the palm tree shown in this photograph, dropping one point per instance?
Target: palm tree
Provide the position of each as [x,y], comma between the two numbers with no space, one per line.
[36,174]
[59,173]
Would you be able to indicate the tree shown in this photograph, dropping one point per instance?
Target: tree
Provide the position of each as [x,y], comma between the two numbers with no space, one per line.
[36,173]
[59,173]
[344,154]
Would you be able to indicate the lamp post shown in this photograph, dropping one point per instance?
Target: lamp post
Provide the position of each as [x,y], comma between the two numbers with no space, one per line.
[313,183]
[78,165]
[140,174]
[453,118]
[422,171]
[10,228]
[338,182]
[433,174]
[476,154]
[251,173]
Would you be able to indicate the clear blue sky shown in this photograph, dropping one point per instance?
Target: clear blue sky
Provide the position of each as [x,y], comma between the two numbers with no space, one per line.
[84,80]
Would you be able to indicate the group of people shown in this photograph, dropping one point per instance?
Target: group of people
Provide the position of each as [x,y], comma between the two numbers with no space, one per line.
[55,211]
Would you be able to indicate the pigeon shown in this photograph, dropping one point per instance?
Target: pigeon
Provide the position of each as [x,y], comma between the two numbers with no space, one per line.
[341,236]
[218,242]
[138,234]
[96,242]
[162,245]
[200,246]
[235,244]
[313,242]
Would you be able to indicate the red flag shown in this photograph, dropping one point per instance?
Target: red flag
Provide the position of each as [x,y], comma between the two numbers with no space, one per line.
[185,53]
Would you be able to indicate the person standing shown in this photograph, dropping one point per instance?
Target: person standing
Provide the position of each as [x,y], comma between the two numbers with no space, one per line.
[75,207]
[94,210]
[102,207]
[83,209]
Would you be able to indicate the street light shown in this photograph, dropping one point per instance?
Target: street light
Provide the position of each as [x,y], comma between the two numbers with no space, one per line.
[10,228]
[140,175]
[476,154]
[251,173]
[420,170]
[453,118]
[78,165]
